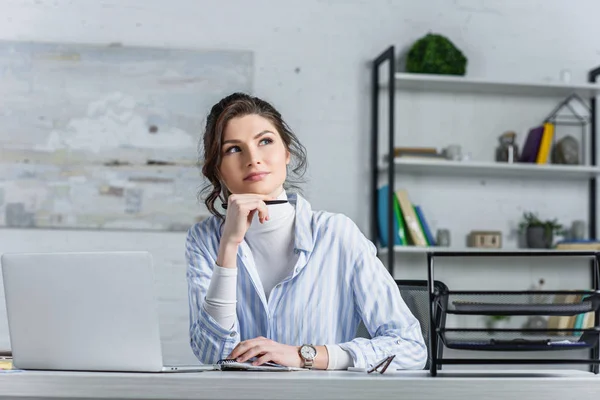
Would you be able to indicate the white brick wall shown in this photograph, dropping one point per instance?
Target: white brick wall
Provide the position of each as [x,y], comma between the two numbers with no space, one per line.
[311,61]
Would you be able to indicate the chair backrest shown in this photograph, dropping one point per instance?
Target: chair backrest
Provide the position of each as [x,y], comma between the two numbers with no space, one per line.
[415,295]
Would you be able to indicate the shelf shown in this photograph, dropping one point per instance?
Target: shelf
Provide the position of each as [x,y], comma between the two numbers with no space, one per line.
[494,169]
[441,251]
[447,83]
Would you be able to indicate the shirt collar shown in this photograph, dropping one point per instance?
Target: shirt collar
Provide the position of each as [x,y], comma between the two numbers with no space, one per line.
[303,234]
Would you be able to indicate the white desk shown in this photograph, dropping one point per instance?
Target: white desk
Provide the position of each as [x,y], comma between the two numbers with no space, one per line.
[298,385]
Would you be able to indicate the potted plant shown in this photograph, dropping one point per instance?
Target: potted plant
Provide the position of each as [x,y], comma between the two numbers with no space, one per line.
[539,234]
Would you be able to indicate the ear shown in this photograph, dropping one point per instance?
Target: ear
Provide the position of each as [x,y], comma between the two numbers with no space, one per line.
[288,157]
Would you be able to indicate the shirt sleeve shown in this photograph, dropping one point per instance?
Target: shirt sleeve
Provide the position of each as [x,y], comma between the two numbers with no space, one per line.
[338,358]
[221,297]
[392,326]
[208,339]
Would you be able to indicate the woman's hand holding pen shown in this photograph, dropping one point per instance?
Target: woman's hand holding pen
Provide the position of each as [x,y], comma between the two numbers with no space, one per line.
[241,208]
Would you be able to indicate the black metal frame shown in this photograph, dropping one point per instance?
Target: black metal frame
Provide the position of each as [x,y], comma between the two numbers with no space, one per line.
[388,56]
[593,361]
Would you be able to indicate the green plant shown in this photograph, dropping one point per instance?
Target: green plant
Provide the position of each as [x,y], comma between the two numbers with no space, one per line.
[531,219]
[435,54]
[492,320]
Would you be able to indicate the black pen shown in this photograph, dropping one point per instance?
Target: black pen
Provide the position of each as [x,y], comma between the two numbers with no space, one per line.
[267,202]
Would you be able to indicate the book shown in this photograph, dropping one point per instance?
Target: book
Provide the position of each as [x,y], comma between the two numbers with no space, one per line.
[546,144]
[382,217]
[232,365]
[532,145]
[578,245]
[400,221]
[412,222]
[424,226]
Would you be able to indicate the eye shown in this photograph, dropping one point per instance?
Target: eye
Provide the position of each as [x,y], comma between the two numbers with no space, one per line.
[267,140]
[232,148]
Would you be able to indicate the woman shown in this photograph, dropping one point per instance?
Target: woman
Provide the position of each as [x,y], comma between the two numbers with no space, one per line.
[281,282]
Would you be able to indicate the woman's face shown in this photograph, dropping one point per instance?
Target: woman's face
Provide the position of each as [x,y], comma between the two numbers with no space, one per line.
[254,158]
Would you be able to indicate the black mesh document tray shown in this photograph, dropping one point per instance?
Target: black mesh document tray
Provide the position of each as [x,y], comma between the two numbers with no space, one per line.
[518,340]
[507,303]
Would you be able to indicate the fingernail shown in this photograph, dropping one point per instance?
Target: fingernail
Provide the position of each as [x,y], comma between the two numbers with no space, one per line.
[255,363]
[239,359]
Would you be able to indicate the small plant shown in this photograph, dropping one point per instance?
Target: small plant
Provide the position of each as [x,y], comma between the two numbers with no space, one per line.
[531,219]
[539,234]
[491,321]
[435,54]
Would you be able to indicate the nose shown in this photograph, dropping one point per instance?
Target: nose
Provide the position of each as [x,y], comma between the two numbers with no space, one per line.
[253,157]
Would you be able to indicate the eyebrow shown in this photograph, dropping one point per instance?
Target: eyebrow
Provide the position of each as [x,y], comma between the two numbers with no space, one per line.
[255,137]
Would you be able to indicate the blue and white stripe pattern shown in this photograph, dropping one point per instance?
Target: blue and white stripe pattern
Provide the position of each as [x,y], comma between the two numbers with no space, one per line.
[337,282]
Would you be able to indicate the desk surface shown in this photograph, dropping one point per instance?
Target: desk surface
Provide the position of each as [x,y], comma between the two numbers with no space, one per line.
[299,385]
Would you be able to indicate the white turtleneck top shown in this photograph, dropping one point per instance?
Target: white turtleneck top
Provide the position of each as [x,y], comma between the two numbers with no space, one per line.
[272,246]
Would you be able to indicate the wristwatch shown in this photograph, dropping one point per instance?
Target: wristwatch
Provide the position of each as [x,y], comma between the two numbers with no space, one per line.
[308,353]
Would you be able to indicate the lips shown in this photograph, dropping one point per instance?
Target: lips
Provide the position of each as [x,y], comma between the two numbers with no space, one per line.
[257,176]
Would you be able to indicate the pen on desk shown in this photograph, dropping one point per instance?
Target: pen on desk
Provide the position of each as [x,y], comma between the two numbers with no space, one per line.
[267,202]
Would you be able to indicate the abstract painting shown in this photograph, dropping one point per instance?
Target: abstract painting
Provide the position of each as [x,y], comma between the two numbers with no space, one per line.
[106,137]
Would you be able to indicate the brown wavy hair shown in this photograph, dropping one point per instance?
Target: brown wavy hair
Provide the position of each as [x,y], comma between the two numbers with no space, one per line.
[233,106]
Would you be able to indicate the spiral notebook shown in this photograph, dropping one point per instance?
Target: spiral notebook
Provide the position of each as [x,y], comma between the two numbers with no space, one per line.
[232,365]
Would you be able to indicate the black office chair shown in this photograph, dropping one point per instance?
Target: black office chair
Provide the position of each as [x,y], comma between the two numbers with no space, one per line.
[415,295]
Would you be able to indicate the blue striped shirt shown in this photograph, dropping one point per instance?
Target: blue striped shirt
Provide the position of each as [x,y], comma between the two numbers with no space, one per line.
[337,282]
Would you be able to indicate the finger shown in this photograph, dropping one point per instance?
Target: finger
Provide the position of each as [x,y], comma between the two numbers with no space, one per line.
[242,347]
[263,211]
[263,359]
[257,350]
[250,207]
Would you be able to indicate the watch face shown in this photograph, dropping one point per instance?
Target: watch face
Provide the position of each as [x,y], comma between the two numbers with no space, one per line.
[308,352]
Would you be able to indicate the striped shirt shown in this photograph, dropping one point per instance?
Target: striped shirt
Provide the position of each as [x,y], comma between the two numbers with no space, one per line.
[337,282]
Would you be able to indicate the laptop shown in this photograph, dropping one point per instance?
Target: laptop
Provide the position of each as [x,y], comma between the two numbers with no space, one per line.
[84,312]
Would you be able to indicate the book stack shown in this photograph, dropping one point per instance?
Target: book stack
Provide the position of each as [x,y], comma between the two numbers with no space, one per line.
[578,321]
[409,221]
[589,245]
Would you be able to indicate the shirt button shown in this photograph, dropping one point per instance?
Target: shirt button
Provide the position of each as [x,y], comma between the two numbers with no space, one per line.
[278,285]
[397,341]
[232,334]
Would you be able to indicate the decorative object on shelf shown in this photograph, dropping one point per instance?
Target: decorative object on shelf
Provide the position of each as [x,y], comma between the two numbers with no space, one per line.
[539,234]
[538,298]
[435,54]
[508,150]
[453,152]
[566,151]
[535,322]
[485,239]
[577,231]
[573,111]
[565,76]
[442,238]
[497,321]
[417,152]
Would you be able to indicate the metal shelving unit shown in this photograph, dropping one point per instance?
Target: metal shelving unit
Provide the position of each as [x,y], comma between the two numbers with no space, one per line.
[435,83]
